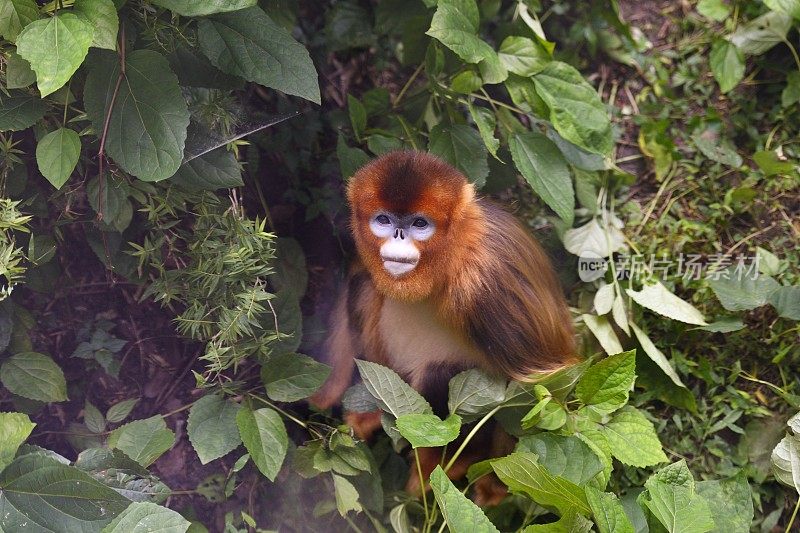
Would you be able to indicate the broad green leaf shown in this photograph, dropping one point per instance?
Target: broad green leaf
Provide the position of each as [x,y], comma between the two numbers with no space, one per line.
[717,148]
[790,7]
[524,474]
[594,240]
[217,169]
[291,377]
[193,8]
[559,384]
[714,9]
[428,431]
[57,154]
[247,43]
[147,129]
[604,333]
[742,293]
[18,72]
[762,33]
[672,499]
[455,25]
[393,394]
[577,156]
[15,15]
[523,56]
[15,428]
[791,93]
[46,495]
[55,47]
[350,159]
[473,393]
[570,522]
[658,298]
[723,325]
[786,301]
[145,517]
[606,385]
[523,93]
[93,418]
[212,427]
[34,376]
[633,438]
[20,111]
[462,147]
[486,122]
[576,111]
[144,440]
[466,82]
[358,115]
[608,512]
[102,15]
[459,512]
[786,461]
[120,411]
[346,496]
[656,355]
[540,161]
[349,25]
[566,457]
[727,64]
[771,164]
[730,501]
[264,436]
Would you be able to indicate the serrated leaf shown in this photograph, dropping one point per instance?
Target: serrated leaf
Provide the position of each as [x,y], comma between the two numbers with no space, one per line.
[346,496]
[741,293]
[47,495]
[93,418]
[762,33]
[786,461]
[658,298]
[393,394]
[575,107]
[656,355]
[15,15]
[672,499]
[57,154]
[247,43]
[20,111]
[459,512]
[540,161]
[102,15]
[786,301]
[523,474]
[428,431]
[192,8]
[632,438]
[212,427]
[570,522]
[18,72]
[462,147]
[55,47]
[144,440]
[727,64]
[566,457]
[15,428]
[473,393]
[291,377]
[606,385]
[608,512]
[730,501]
[145,517]
[120,411]
[523,56]
[264,435]
[35,376]
[603,332]
[486,122]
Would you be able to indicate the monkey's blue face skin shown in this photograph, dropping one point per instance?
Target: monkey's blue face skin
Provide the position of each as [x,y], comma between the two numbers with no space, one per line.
[399,233]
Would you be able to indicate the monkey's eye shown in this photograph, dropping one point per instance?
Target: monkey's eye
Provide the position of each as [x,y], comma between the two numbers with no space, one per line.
[420,223]
[383,219]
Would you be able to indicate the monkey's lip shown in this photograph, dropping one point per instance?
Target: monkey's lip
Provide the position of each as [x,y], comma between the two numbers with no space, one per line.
[397,266]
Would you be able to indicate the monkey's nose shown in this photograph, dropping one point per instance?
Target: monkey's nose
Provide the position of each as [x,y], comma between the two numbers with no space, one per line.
[398,233]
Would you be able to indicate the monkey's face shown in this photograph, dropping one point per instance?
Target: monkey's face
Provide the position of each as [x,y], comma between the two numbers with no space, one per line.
[400,235]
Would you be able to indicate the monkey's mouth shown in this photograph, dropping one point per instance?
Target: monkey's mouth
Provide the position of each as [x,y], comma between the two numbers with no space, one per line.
[397,266]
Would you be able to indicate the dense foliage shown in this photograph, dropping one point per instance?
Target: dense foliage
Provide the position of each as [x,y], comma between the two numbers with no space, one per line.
[134,141]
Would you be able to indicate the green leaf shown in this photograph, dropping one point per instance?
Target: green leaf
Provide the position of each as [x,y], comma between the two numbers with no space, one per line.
[393,394]
[34,376]
[15,15]
[540,161]
[786,301]
[790,7]
[55,47]
[716,148]
[762,33]
[566,457]
[730,501]
[348,25]
[15,428]
[658,298]
[462,147]
[346,496]
[18,72]
[455,25]
[570,522]
[727,64]
[486,122]
[576,111]
[57,154]
[47,495]
[791,93]
[264,436]
[714,9]
[192,8]
[20,111]
[147,129]
[786,461]
[120,411]
[93,418]
[608,512]
[428,431]
[145,517]
[102,15]
[144,440]
[656,355]
[725,324]
[473,393]
[291,377]
[466,82]
[771,164]
[459,512]
[603,331]
[523,56]
[215,170]
[350,159]
[290,268]
[672,499]
[633,438]
[212,427]
[740,292]
[247,43]
[358,115]
[606,385]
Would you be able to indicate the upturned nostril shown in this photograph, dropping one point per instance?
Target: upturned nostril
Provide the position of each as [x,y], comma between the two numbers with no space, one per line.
[402,236]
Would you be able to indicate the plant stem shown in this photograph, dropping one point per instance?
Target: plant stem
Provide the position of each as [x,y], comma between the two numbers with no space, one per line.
[470,436]
[407,85]
[422,489]
[794,515]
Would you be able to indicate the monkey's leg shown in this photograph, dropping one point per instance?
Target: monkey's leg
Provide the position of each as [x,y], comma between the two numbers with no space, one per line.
[341,351]
[364,424]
